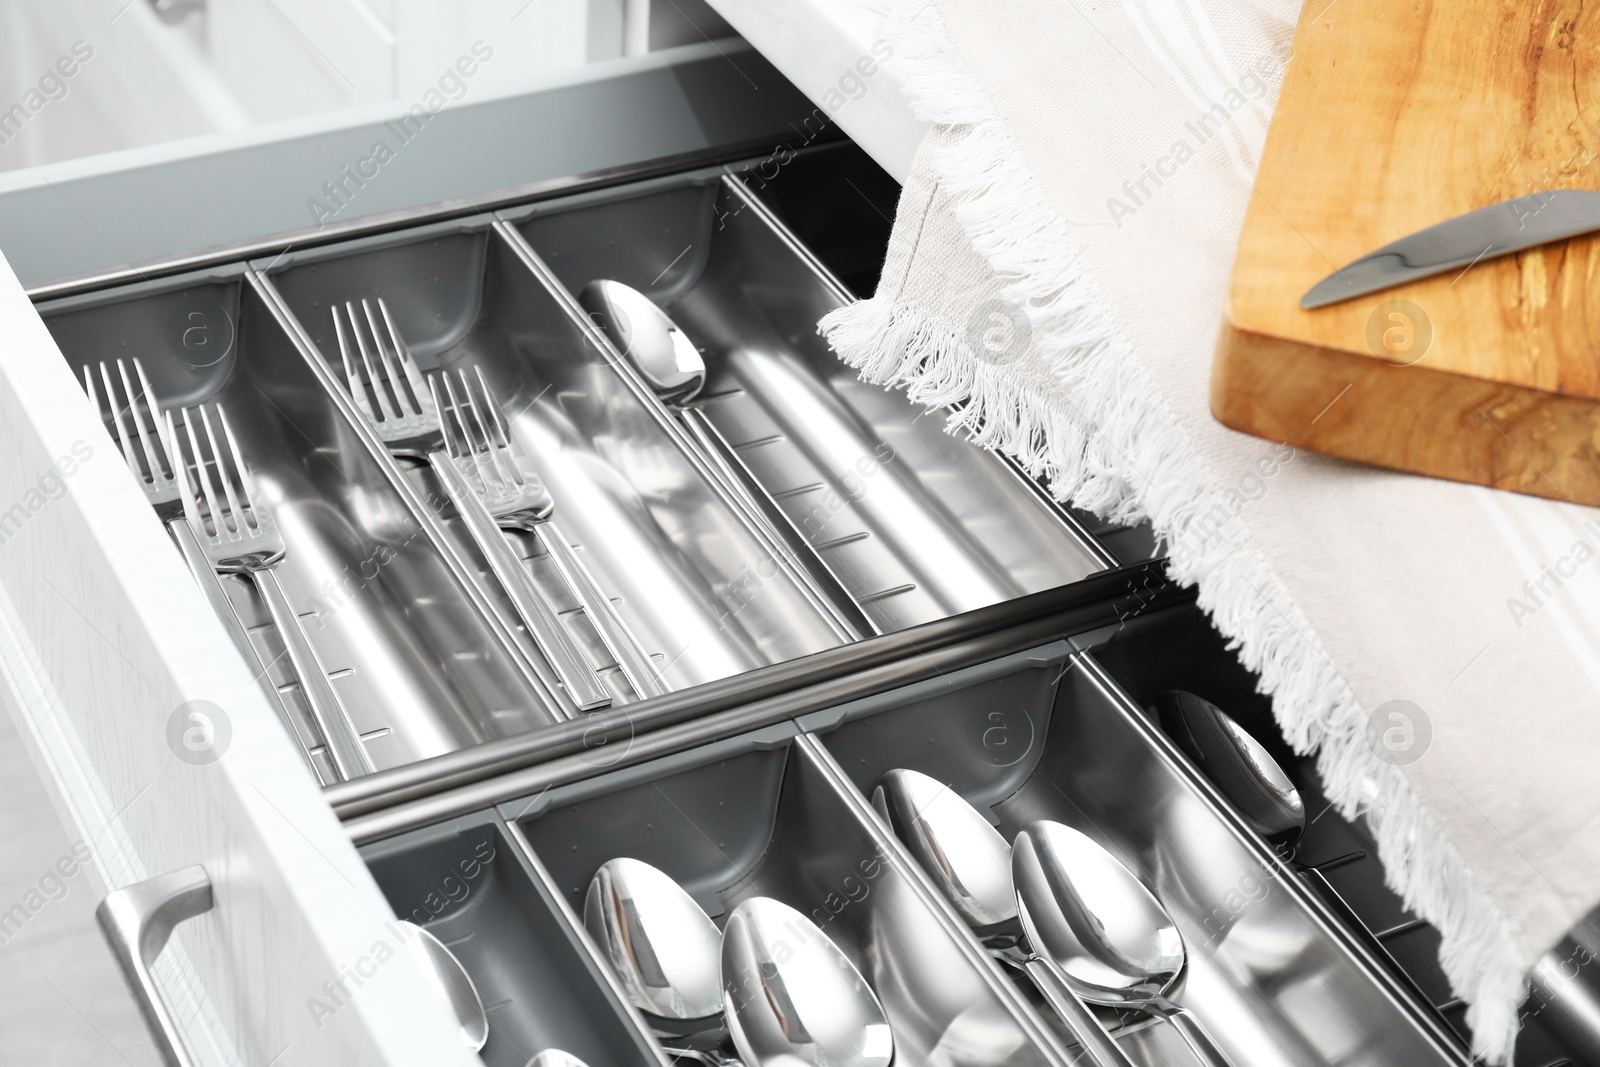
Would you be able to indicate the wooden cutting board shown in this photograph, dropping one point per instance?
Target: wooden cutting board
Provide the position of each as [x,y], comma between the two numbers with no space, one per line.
[1395,115]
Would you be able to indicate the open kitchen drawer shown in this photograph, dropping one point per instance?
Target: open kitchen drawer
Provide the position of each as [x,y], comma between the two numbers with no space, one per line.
[185,728]
[806,633]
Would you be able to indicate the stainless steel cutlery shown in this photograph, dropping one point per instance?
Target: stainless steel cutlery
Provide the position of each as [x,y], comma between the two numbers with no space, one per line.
[1235,762]
[1513,225]
[772,982]
[134,414]
[402,409]
[234,527]
[453,422]
[792,997]
[647,338]
[1098,929]
[664,949]
[479,442]
[970,863]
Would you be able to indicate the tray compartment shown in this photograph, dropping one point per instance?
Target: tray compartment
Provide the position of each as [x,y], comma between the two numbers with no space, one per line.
[706,597]
[1041,736]
[419,669]
[915,523]
[1339,858]
[468,884]
[759,815]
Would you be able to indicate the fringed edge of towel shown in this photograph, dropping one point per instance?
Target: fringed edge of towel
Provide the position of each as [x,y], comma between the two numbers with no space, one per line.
[1117,451]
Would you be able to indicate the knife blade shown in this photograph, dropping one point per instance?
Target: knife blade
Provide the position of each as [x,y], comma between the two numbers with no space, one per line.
[1513,225]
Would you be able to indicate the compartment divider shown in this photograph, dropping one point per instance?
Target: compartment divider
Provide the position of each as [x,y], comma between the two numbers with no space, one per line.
[536,673]
[826,594]
[566,752]
[812,749]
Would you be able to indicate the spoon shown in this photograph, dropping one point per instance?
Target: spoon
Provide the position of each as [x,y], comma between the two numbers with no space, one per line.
[1102,932]
[445,973]
[1236,764]
[664,949]
[793,998]
[970,863]
[661,353]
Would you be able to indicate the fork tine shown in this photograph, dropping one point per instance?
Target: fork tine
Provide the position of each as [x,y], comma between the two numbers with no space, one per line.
[447,426]
[147,432]
[387,347]
[493,454]
[104,407]
[468,443]
[497,422]
[180,466]
[248,488]
[128,453]
[352,377]
[497,438]
[203,474]
[238,520]
[385,409]
[408,363]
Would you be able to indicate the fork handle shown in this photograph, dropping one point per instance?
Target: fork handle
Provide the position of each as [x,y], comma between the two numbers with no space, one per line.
[544,626]
[620,641]
[349,758]
[210,584]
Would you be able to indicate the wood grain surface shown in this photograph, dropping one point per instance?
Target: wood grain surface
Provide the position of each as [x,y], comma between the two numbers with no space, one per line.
[1396,115]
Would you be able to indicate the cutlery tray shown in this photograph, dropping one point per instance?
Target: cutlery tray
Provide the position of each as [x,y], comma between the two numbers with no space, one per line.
[718,561]
[912,522]
[783,811]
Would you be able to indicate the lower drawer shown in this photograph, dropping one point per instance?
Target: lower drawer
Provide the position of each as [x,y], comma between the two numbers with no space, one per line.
[783,811]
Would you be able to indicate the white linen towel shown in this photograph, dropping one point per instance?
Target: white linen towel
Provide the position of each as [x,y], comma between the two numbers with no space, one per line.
[1058,269]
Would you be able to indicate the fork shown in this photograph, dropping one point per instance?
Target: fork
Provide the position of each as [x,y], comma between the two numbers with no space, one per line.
[477,440]
[402,409]
[238,535]
[145,450]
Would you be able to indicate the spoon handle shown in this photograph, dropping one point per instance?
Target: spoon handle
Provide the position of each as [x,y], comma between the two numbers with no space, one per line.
[1085,1028]
[1200,1041]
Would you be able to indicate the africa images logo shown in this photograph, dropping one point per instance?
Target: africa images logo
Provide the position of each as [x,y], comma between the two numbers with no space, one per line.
[199,732]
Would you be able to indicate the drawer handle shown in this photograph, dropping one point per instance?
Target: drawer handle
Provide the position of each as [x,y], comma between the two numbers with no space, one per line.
[137,921]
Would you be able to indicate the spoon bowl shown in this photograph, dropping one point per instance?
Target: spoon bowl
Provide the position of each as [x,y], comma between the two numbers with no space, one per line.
[1093,917]
[793,997]
[649,339]
[970,864]
[661,944]
[1236,763]
[1100,929]
[445,973]
[951,840]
